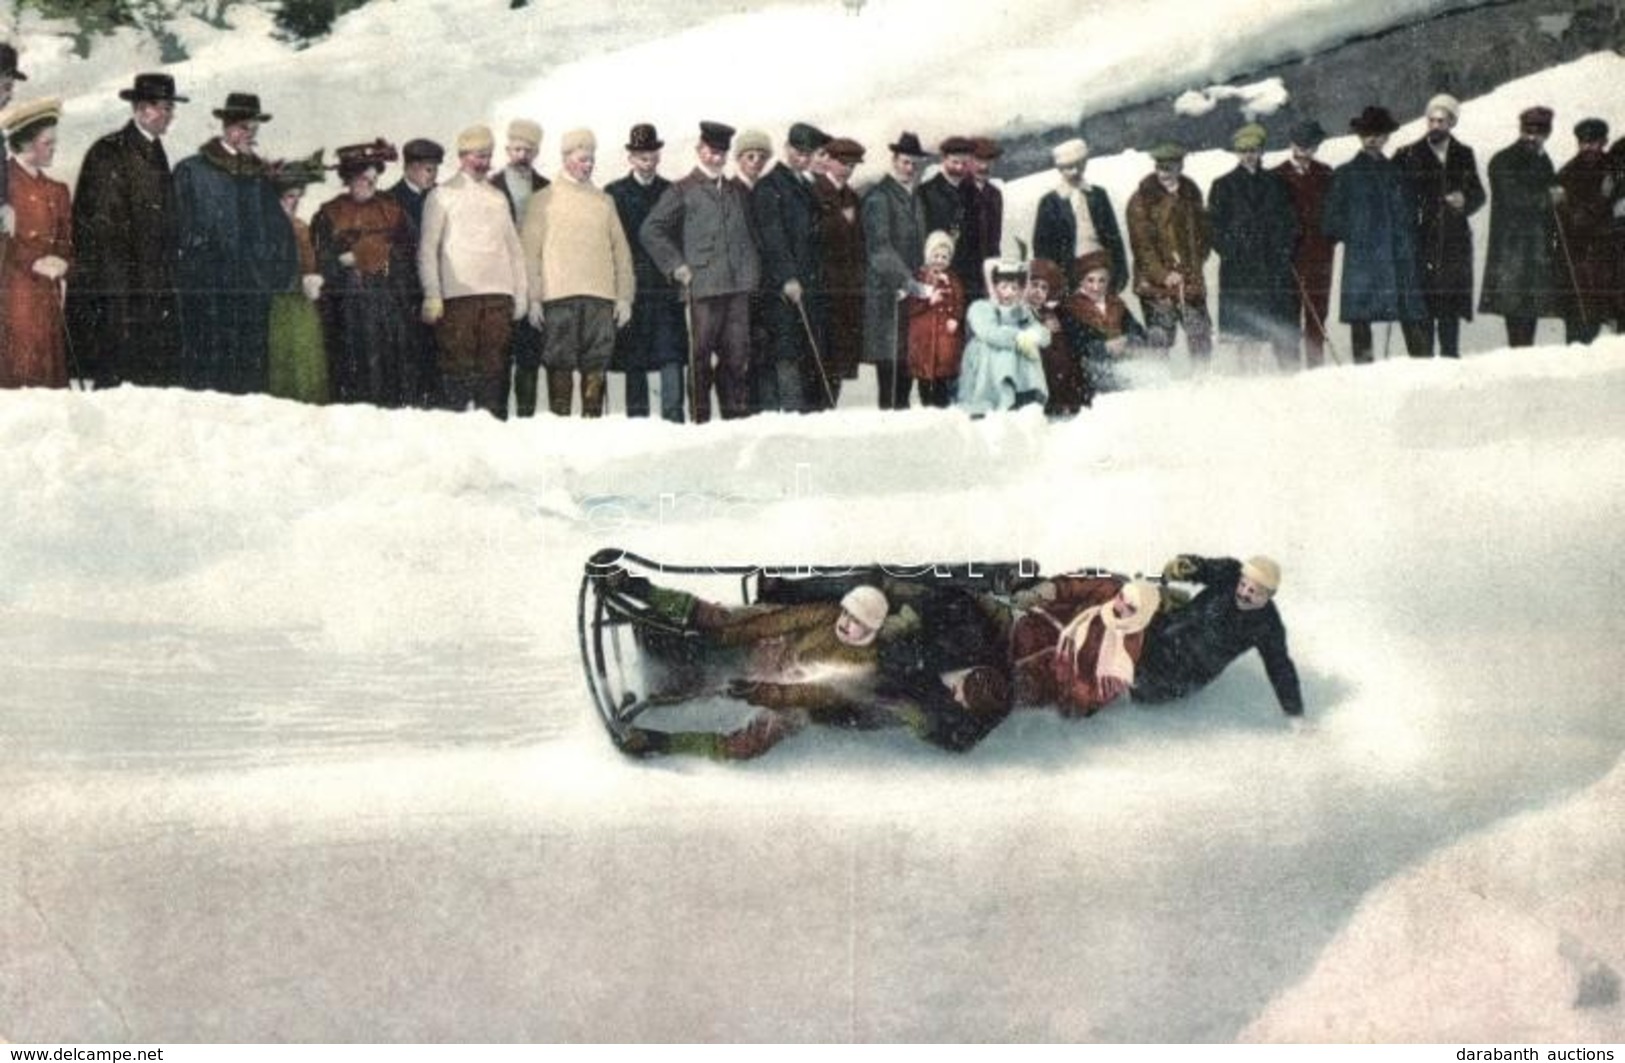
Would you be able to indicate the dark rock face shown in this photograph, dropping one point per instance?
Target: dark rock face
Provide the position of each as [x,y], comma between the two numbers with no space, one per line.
[1465,52]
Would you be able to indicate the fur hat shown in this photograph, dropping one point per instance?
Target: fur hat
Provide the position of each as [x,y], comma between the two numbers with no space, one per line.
[939,239]
[1446,103]
[1167,151]
[474,139]
[753,140]
[1536,120]
[644,137]
[1307,134]
[1042,269]
[421,150]
[807,138]
[716,135]
[20,122]
[1588,130]
[577,140]
[1087,264]
[151,88]
[1373,121]
[524,131]
[1070,152]
[845,149]
[1250,137]
[867,605]
[1262,571]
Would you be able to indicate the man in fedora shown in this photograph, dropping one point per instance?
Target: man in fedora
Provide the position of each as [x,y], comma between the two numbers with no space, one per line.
[1077,218]
[1370,210]
[793,304]
[1443,177]
[1308,181]
[656,339]
[123,319]
[700,235]
[894,237]
[9,76]
[236,249]
[1525,276]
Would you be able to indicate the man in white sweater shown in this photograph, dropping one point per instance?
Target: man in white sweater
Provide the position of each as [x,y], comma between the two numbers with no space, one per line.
[473,274]
[581,279]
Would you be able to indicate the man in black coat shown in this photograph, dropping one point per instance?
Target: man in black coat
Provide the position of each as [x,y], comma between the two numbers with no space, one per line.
[420,161]
[518,181]
[1187,648]
[1521,271]
[656,339]
[1077,218]
[949,199]
[121,311]
[786,216]
[1443,179]
[1254,231]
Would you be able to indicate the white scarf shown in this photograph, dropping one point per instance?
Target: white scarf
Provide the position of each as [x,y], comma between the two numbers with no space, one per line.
[1113,660]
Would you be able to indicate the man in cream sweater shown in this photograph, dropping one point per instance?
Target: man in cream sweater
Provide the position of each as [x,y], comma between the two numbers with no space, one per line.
[473,276]
[581,280]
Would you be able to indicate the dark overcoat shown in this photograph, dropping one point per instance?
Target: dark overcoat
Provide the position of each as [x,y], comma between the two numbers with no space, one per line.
[368,306]
[1521,276]
[236,250]
[657,335]
[1586,217]
[123,319]
[1444,239]
[1313,254]
[1055,233]
[786,218]
[841,246]
[894,235]
[1369,211]
[1254,231]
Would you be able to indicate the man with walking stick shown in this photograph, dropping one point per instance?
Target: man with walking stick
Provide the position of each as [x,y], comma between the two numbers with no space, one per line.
[1308,180]
[1522,273]
[1584,223]
[700,235]
[1446,191]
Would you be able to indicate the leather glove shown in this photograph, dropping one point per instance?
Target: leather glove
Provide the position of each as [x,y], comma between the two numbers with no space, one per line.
[347,260]
[1182,567]
[312,283]
[1027,344]
[433,311]
[537,316]
[623,314]
[683,275]
[50,267]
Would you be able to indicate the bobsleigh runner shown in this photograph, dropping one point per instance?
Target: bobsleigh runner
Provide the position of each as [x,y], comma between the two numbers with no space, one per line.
[652,650]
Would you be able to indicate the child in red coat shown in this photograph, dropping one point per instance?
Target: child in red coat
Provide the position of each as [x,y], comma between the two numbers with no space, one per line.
[936,312]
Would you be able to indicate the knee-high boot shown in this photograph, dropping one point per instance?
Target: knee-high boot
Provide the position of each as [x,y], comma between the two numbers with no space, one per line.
[592,394]
[560,390]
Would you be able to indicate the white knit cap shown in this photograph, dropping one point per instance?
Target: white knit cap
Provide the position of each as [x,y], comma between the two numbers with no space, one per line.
[1070,152]
[1446,103]
[1262,571]
[867,605]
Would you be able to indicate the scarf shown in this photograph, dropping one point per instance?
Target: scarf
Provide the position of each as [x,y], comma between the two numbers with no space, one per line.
[1113,659]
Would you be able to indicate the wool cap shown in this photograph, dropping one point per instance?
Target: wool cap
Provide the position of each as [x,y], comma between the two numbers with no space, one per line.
[1167,151]
[1307,134]
[524,131]
[1070,152]
[1591,129]
[867,605]
[577,140]
[845,149]
[1446,103]
[475,138]
[1250,137]
[1262,571]
[753,140]
[1536,120]
[422,150]
[805,137]
[939,239]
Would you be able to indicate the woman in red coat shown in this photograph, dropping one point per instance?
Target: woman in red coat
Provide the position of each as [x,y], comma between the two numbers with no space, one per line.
[1076,644]
[33,352]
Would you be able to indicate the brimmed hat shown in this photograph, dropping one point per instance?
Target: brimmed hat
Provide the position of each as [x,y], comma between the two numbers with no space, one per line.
[716,135]
[355,159]
[422,150]
[956,146]
[808,138]
[1042,269]
[1004,269]
[297,173]
[1090,262]
[1167,151]
[1307,134]
[1250,137]
[1263,571]
[1536,119]
[985,148]
[909,144]
[644,137]
[1373,121]
[8,64]
[753,140]
[867,605]
[1070,152]
[577,140]
[152,88]
[476,138]
[1590,129]
[845,149]
[241,107]
[524,131]
[19,121]
[1446,103]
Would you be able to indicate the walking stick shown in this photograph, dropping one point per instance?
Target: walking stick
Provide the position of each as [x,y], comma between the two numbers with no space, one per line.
[693,358]
[1320,326]
[812,345]
[1568,260]
[67,341]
